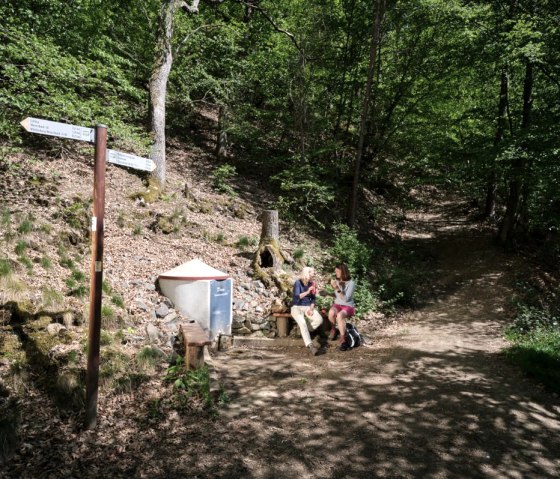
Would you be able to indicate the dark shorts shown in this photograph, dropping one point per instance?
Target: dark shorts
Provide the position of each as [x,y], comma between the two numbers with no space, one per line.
[349,310]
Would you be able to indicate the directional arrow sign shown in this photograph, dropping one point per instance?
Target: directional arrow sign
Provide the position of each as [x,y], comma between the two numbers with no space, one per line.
[62,130]
[132,161]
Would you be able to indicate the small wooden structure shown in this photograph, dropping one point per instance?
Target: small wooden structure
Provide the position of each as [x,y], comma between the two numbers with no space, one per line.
[194,339]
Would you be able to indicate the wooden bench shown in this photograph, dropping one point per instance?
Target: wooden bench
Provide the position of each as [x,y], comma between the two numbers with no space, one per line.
[194,339]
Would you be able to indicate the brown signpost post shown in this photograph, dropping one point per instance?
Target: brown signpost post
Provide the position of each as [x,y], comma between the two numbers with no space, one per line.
[101,156]
[96,281]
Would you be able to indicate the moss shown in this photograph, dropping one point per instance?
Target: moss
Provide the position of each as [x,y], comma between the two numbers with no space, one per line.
[151,194]
[10,345]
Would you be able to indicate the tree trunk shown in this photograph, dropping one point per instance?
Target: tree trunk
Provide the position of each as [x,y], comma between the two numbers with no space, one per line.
[491,187]
[222,140]
[270,258]
[353,204]
[158,87]
[517,184]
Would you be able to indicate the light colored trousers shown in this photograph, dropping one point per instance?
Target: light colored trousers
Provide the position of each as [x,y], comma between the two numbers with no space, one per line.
[305,323]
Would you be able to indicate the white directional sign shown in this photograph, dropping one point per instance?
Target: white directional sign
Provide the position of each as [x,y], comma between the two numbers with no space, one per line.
[132,161]
[62,130]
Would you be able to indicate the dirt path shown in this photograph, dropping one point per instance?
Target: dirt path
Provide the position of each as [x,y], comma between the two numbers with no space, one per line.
[428,399]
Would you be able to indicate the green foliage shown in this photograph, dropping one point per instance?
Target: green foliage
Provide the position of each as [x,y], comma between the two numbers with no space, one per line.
[5,268]
[298,254]
[305,195]
[21,247]
[192,387]
[538,353]
[243,242]
[117,300]
[46,262]
[148,357]
[347,248]
[51,297]
[26,226]
[220,178]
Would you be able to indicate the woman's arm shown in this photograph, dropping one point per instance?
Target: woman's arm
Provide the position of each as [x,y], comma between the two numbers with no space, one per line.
[349,288]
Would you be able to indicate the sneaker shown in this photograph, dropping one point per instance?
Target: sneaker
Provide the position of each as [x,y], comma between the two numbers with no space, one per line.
[344,346]
[312,349]
[332,334]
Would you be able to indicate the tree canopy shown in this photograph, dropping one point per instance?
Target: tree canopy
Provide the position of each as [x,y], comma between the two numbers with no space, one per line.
[463,94]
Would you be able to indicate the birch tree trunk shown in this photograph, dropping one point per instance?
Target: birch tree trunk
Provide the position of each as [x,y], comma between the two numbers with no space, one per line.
[222,137]
[158,87]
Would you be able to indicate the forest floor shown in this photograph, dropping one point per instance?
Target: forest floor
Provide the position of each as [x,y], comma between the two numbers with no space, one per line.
[429,396]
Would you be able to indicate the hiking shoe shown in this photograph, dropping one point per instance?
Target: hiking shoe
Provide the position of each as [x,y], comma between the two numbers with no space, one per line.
[332,334]
[344,346]
[312,349]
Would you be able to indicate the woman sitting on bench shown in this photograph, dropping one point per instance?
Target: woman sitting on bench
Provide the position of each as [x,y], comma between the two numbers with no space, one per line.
[303,309]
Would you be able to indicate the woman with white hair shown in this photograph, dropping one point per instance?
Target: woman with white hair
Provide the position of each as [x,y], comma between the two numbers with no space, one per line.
[303,309]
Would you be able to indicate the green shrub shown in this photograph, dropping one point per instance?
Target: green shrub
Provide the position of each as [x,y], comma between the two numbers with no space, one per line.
[45,262]
[21,247]
[349,249]
[299,253]
[148,357]
[192,387]
[117,300]
[304,194]
[220,178]
[78,275]
[26,226]
[242,242]
[5,268]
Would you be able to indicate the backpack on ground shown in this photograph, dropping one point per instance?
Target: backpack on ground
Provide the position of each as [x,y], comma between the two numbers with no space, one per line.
[353,337]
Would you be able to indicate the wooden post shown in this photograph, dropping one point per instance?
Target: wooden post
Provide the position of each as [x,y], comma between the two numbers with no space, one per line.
[92,378]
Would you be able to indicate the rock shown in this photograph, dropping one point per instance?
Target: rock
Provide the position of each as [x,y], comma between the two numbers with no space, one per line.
[259,309]
[238,304]
[170,317]
[243,331]
[68,319]
[141,305]
[162,311]
[152,332]
[55,328]
[150,287]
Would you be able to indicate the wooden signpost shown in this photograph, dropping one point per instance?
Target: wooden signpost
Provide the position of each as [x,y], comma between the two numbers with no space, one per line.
[98,136]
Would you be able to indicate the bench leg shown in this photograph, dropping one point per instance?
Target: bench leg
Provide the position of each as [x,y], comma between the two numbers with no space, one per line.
[282,326]
[194,357]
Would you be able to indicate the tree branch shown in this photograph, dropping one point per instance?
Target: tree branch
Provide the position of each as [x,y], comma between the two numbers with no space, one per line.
[270,20]
[192,8]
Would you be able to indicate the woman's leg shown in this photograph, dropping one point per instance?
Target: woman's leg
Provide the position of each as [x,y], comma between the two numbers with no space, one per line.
[315,321]
[332,319]
[341,322]
[298,313]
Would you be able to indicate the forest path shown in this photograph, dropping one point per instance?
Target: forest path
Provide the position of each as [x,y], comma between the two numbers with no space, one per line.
[431,397]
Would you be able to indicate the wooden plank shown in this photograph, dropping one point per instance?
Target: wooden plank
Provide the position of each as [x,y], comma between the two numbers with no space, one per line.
[194,335]
[282,315]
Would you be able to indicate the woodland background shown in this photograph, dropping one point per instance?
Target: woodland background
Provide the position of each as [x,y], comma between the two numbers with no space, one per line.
[327,105]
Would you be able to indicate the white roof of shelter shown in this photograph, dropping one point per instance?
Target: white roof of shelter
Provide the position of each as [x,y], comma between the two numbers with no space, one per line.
[194,270]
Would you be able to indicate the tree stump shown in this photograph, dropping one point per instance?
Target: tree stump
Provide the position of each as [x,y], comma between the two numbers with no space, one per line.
[270,258]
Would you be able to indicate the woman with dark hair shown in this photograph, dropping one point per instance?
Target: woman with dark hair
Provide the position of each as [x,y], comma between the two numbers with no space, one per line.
[344,306]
